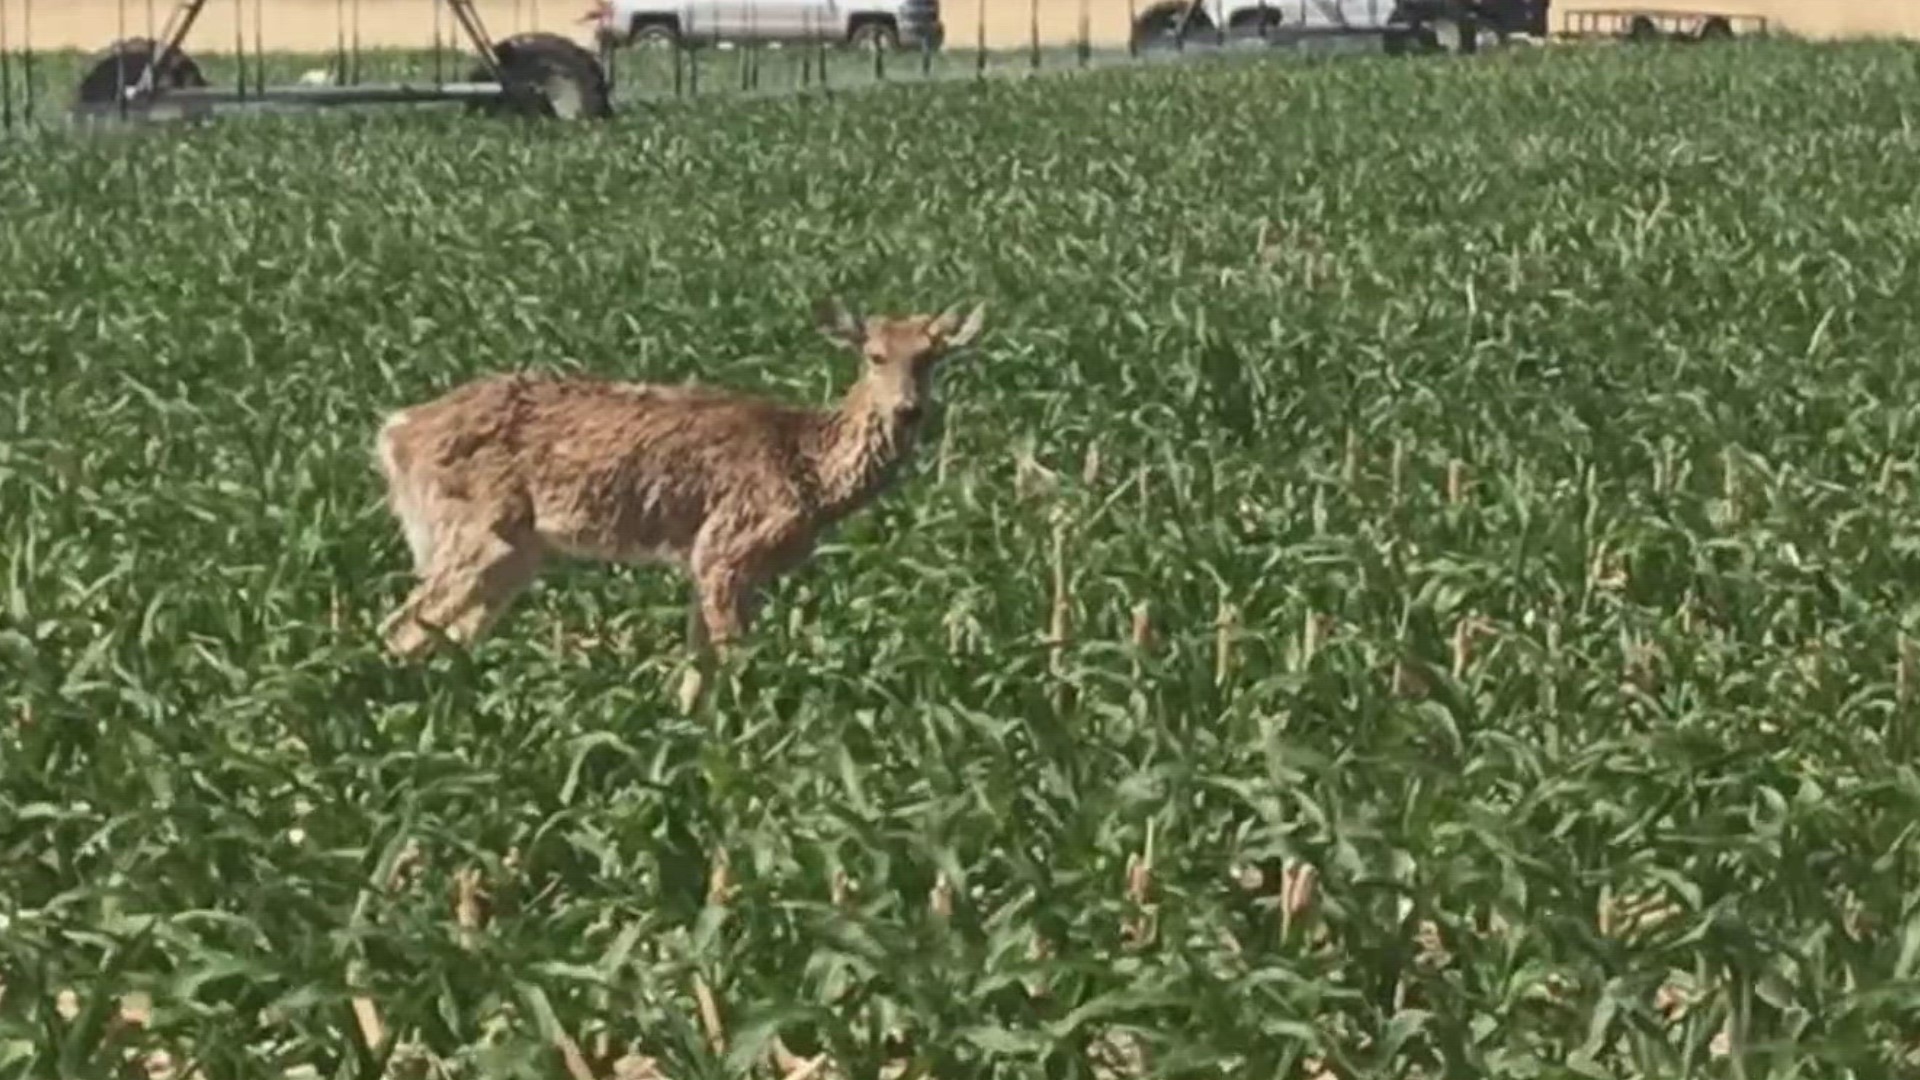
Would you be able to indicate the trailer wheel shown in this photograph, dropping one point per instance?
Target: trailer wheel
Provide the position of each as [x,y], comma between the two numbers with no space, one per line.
[871,34]
[546,75]
[1716,28]
[656,33]
[1643,29]
[125,62]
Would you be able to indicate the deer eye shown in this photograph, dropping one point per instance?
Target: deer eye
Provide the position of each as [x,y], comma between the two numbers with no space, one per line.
[875,357]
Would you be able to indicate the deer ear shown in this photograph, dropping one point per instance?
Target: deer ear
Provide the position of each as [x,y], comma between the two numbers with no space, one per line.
[834,320]
[953,338]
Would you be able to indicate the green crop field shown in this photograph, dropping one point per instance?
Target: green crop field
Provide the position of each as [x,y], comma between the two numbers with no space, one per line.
[1418,580]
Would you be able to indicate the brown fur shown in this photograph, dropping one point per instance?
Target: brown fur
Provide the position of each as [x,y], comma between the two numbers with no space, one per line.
[493,477]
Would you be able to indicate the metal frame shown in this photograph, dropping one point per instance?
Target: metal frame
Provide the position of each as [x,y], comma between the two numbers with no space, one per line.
[142,96]
[1685,25]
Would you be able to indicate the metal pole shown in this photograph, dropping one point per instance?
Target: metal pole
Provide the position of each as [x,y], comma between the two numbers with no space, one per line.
[469,19]
[26,59]
[1086,33]
[980,40]
[259,49]
[1033,34]
[239,44]
[812,27]
[355,77]
[120,63]
[682,41]
[740,62]
[6,73]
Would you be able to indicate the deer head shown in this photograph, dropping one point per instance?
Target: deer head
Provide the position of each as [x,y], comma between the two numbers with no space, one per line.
[901,353]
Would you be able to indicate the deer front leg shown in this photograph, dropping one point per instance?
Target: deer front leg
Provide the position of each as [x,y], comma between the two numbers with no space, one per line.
[727,601]
[732,561]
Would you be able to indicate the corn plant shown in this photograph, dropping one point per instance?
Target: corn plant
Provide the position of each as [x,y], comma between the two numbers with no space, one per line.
[1416,581]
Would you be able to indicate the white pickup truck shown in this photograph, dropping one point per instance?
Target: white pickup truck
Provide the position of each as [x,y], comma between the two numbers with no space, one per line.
[881,24]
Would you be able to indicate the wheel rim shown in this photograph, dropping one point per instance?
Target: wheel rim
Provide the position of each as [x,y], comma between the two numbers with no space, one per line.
[564,98]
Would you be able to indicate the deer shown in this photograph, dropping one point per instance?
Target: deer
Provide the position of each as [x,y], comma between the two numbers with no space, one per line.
[496,476]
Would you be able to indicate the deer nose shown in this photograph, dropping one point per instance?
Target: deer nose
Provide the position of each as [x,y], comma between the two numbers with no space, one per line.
[911,413]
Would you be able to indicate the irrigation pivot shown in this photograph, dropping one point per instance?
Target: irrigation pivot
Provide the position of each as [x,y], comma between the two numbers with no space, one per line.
[530,74]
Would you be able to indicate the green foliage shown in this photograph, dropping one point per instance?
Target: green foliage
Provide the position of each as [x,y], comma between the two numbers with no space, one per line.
[1620,715]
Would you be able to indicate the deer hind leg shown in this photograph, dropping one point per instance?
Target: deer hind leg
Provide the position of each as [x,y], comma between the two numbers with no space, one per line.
[409,496]
[474,577]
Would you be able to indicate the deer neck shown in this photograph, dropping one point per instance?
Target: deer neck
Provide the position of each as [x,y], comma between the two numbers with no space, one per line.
[860,448]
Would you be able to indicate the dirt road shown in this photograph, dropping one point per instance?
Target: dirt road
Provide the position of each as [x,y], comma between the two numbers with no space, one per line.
[314,24]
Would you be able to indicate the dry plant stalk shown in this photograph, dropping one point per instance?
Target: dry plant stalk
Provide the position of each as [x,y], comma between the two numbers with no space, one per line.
[1730,484]
[1090,465]
[1225,622]
[1465,633]
[1397,473]
[471,905]
[720,886]
[1299,891]
[944,458]
[1350,461]
[578,1068]
[940,897]
[710,1020]
[1456,481]
[1137,931]
[373,1033]
[806,1068]
[720,890]
[1059,620]
[1039,949]
[1313,633]
[1141,635]
[1904,672]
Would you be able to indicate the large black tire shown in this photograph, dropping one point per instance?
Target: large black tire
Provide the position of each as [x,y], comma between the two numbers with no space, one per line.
[656,34]
[871,34]
[1159,24]
[1716,28]
[1644,30]
[1255,23]
[122,65]
[548,76]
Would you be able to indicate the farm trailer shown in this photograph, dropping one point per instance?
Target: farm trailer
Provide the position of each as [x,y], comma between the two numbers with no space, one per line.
[1417,26]
[529,74]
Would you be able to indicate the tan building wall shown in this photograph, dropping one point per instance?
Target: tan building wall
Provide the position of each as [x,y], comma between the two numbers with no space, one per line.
[313,24]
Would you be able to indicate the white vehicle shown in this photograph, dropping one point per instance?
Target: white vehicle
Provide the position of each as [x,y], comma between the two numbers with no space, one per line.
[1239,17]
[875,24]
[1434,23]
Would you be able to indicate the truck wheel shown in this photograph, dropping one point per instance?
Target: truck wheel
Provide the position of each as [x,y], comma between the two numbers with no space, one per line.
[550,76]
[1643,29]
[1716,28]
[1258,22]
[124,63]
[874,34]
[1160,24]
